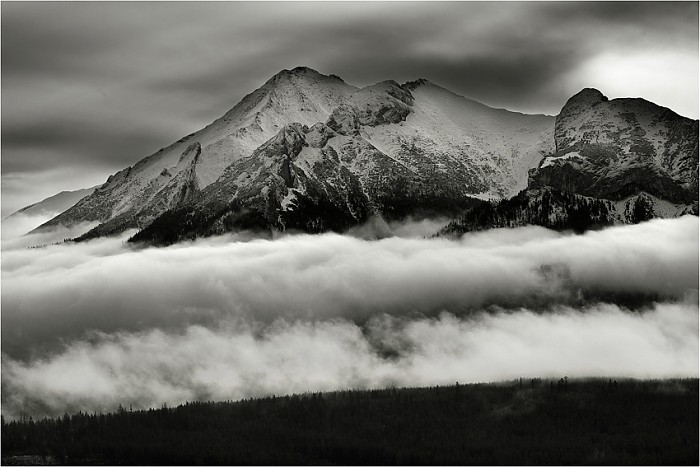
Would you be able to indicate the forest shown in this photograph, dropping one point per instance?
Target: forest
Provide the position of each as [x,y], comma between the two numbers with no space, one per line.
[522,422]
[553,209]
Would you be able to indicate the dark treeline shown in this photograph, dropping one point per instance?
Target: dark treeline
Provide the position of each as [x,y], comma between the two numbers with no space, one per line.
[524,422]
[546,207]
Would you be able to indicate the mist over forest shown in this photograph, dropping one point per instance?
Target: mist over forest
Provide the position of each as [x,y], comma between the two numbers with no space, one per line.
[93,325]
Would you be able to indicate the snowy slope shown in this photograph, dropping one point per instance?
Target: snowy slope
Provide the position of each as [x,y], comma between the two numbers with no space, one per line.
[54,204]
[492,149]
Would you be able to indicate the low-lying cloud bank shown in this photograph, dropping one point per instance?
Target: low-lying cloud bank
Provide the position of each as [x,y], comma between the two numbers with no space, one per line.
[88,326]
[376,228]
[63,291]
[19,224]
[235,361]
[15,227]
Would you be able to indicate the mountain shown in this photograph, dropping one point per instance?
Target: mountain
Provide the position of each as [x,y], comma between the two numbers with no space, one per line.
[54,204]
[616,161]
[309,152]
[616,148]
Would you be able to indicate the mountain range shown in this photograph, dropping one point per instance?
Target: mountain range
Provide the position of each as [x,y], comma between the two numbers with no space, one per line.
[309,152]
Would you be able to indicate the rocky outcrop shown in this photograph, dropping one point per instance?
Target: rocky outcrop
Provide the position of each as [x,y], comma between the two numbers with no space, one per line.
[617,148]
[383,103]
[344,120]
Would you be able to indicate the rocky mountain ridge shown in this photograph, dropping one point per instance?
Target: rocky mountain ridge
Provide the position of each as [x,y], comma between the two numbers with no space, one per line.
[310,152]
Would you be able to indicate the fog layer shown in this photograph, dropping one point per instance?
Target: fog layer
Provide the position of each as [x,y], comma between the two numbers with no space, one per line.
[236,361]
[89,325]
[64,290]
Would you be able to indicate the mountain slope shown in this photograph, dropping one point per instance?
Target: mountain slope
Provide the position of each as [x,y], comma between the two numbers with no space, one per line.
[561,210]
[309,151]
[593,421]
[54,204]
[616,148]
[445,130]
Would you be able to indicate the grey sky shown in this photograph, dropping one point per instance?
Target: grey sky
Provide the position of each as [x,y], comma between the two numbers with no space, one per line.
[89,88]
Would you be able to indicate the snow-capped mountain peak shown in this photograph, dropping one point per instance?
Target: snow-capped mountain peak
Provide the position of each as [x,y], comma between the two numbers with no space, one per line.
[309,151]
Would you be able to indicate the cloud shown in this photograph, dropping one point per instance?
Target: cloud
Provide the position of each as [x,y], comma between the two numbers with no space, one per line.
[59,293]
[15,228]
[19,224]
[613,72]
[88,326]
[235,361]
[377,228]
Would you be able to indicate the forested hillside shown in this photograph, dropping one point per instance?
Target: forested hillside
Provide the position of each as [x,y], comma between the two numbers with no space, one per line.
[546,207]
[523,422]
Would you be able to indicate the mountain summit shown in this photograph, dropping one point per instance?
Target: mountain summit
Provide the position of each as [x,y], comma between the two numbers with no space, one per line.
[616,148]
[308,151]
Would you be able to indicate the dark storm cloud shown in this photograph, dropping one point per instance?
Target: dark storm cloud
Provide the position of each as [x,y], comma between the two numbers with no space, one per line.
[119,80]
[514,55]
[653,14]
[42,141]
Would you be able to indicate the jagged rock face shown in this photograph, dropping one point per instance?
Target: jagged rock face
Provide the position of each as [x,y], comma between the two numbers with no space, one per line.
[383,103]
[344,120]
[319,134]
[617,148]
[306,144]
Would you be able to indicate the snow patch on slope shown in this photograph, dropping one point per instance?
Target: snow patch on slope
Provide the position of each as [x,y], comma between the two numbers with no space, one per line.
[498,146]
[550,160]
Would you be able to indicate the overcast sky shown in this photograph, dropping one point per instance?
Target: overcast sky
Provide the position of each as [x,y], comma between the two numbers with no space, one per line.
[90,88]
